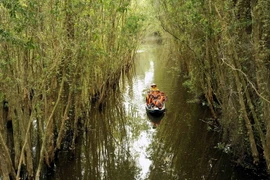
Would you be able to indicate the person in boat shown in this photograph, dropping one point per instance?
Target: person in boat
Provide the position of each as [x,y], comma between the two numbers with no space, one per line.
[163,97]
[153,87]
[156,94]
[149,97]
[159,99]
[158,103]
[152,97]
[151,94]
[155,97]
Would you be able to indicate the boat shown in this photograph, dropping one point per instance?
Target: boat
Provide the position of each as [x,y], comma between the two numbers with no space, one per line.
[153,110]
[155,101]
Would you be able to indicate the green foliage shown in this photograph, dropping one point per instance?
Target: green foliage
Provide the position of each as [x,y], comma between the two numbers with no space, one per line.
[63,52]
[133,24]
[9,37]
[189,85]
[123,8]
[222,48]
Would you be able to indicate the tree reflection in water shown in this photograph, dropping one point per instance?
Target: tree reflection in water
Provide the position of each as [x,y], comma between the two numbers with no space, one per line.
[120,142]
[102,151]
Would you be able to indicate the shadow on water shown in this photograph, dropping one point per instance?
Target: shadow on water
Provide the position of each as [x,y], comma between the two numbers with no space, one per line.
[124,142]
[155,119]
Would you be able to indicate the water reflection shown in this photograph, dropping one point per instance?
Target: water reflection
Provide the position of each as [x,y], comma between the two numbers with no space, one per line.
[124,142]
[155,119]
[177,144]
[102,151]
[141,133]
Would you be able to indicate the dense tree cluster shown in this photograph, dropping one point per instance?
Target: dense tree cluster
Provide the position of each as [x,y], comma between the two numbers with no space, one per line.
[224,47]
[56,57]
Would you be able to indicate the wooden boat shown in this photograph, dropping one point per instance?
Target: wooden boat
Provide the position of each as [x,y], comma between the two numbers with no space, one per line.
[153,110]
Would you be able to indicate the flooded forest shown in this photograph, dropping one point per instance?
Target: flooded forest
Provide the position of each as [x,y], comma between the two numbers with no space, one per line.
[74,75]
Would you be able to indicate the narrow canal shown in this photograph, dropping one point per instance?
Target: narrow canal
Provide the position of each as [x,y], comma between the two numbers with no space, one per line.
[123,142]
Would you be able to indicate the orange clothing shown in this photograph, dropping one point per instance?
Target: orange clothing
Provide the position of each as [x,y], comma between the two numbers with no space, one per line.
[148,98]
[163,98]
[158,103]
[156,94]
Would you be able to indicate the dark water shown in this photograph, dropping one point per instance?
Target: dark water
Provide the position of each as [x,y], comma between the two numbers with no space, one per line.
[123,142]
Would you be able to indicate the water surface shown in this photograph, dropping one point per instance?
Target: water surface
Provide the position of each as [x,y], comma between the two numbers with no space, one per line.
[123,142]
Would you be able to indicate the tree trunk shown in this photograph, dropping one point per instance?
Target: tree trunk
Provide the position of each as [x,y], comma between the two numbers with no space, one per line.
[243,110]
[261,40]
[45,134]
[6,165]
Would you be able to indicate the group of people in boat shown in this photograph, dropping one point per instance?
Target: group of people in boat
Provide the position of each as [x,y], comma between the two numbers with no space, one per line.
[155,97]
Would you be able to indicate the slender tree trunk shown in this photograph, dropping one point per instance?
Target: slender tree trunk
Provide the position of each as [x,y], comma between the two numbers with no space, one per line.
[45,135]
[6,165]
[62,127]
[26,141]
[243,111]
